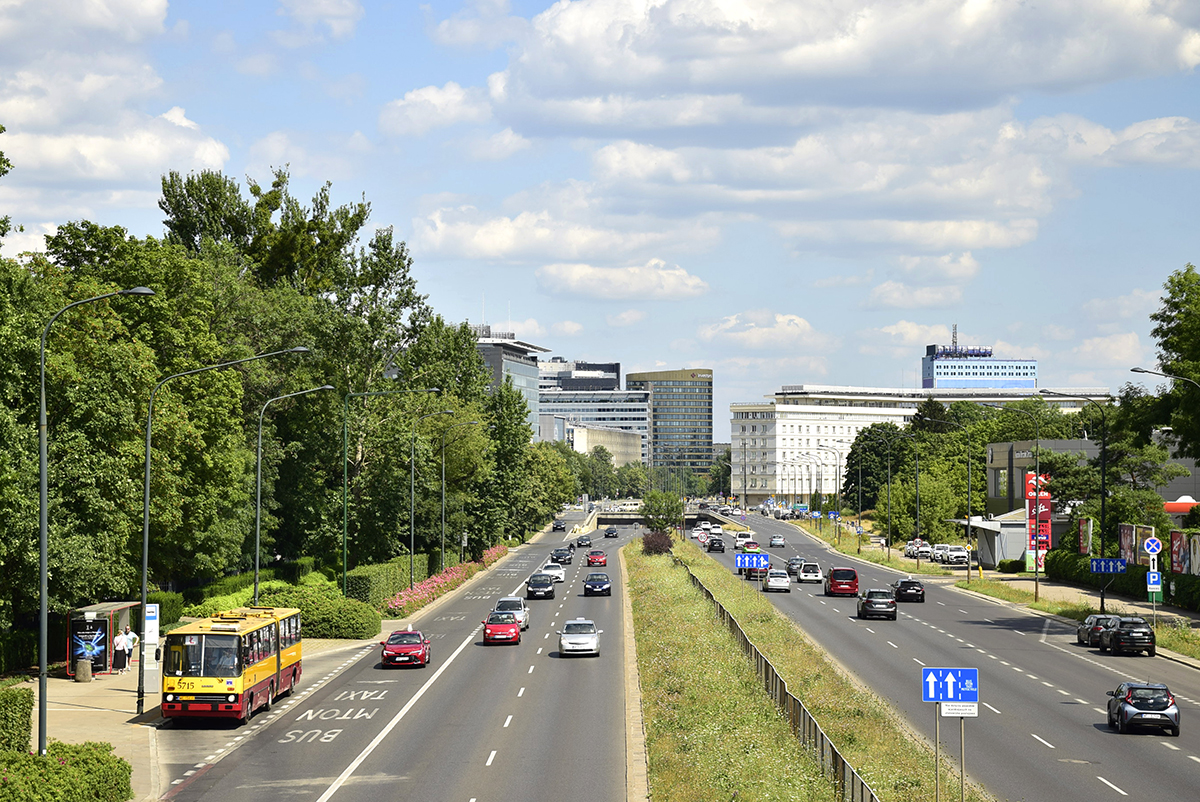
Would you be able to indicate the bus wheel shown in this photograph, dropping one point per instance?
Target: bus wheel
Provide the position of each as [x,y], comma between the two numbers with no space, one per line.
[248,710]
[270,698]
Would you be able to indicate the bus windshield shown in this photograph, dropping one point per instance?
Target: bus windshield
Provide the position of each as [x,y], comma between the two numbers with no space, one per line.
[202,656]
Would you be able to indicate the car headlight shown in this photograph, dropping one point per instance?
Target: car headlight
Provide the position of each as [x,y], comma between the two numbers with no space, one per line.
[170,697]
[232,698]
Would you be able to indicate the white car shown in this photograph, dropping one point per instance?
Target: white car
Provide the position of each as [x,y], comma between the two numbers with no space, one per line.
[579,636]
[810,572]
[956,555]
[741,539]
[716,529]
[924,551]
[515,605]
[555,570]
[777,542]
[938,553]
[697,532]
[705,525]
[777,579]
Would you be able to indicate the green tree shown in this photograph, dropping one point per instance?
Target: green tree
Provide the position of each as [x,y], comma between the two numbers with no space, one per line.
[631,480]
[5,166]
[1177,330]
[931,416]
[602,474]
[719,473]
[661,511]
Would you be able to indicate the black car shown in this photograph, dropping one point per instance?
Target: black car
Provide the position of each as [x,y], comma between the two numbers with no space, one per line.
[558,526]
[716,544]
[540,586]
[1089,629]
[597,584]
[610,531]
[583,541]
[562,556]
[1142,704]
[793,565]
[1129,635]
[909,590]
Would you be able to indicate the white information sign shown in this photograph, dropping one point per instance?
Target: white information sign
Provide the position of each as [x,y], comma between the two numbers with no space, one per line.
[960,709]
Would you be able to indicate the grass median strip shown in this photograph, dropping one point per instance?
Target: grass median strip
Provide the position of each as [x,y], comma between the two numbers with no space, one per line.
[898,765]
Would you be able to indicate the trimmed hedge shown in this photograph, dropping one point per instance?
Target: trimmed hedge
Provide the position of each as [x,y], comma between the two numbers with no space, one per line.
[1010,566]
[87,772]
[226,586]
[18,650]
[170,605]
[324,613]
[230,601]
[16,719]
[295,571]
[1068,566]
[375,584]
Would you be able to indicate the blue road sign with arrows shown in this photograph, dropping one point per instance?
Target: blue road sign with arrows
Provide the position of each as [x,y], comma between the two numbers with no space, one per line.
[751,560]
[949,684]
[1106,565]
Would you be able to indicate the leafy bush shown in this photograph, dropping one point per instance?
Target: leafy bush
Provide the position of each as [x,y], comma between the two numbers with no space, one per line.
[230,601]
[226,586]
[375,584]
[296,570]
[1010,566]
[18,650]
[87,772]
[1076,569]
[409,600]
[324,613]
[16,719]
[656,543]
[494,554]
[170,605]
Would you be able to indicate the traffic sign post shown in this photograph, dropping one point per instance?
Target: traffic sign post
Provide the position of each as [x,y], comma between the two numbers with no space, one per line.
[1152,545]
[1102,565]
[955,692]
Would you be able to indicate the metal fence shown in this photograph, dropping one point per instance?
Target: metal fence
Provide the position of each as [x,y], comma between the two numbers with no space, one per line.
[850,786]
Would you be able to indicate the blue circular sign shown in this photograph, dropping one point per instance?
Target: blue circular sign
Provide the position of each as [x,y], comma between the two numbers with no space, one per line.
[1152,545]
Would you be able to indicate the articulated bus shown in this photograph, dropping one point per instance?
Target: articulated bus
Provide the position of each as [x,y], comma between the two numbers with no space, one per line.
[230,665]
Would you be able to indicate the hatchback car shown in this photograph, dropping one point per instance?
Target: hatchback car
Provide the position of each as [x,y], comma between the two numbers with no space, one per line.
[579,636]
[558,526]
[597,557]
[793,565]
[876,603]
[405,648]
[515,605]
[562,556]
[908,589]
[597,584]
[810,572]
[716,529]
[1089,629]
[1142,704]
[555,570]
[716,544]
[540,586]
[697,532]
[583,541]
[1129,635]
[841,582]
[776,542]
[610,531]
[501,628]
[777,579]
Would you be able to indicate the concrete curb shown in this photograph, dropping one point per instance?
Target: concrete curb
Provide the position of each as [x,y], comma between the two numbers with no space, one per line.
[637,783]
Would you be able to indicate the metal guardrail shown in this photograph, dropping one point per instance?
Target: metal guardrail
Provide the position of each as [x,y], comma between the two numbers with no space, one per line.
[850,786]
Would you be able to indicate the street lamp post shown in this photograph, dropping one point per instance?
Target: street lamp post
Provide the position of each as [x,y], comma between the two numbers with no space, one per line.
[141,692]
[968,434]
[258,476]
[1037,492]
[43,510]
[346,461]
[447,429]
[412,493]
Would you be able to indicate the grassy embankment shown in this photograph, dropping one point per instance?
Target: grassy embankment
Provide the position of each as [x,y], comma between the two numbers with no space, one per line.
[1176,634]
[711,729]
[871,552]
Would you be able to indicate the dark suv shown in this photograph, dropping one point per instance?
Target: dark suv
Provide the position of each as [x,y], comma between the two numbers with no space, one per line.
[1129,635]
[909,590]
[716,544]
[610,531]
[561,556]
[1145,704]
[877,602]
[1089,629]
[558,526]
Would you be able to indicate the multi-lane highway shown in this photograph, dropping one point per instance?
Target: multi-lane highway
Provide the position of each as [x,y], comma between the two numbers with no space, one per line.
[1041,732]
[480,723]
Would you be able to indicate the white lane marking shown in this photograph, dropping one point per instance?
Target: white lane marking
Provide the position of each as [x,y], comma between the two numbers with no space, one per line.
[1047,684]
[868,629]
[964,612]
[1110,785]
[1004,663]
[1193,757]
[1172,747]
[821,600]
[539,651]
[918,662]
[210,758]
[894,646]
[391,725]
[1019,632]
[530,670]
[1100,710]
[198,766]
[990,621]
[994,657]
[507,721]
[1043,740]
[1060,690]
[491,757]
[1081,701]
[994,710]
[520,693]
[546,636]
[942,603]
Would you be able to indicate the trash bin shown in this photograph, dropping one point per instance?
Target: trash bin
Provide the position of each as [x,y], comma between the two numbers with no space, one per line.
[83,670]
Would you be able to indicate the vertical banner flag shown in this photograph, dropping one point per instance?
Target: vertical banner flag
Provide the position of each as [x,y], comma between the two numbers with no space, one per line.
[1141,534]
[1125,540]
[1037,518]
[1180,556]
[1085,535]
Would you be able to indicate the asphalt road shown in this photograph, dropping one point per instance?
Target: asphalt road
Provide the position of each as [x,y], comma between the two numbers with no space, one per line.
[1041,732]
[480,723]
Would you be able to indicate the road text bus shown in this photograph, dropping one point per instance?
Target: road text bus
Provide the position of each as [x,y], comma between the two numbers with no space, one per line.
[230,665]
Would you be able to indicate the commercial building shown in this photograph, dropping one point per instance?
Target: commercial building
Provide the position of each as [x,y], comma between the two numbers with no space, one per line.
[680,416]
[949,366]
[562,374]
[505,355]
[625,446]
[624,410]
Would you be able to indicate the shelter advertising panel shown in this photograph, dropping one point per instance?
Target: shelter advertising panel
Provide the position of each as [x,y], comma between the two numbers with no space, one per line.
[1085,535]
[1141,534]
[90,641]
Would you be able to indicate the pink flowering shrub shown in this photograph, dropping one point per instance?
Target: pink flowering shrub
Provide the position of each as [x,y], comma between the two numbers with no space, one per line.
[409,600]
[493,554]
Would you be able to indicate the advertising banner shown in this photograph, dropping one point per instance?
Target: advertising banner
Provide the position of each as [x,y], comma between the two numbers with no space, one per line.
[1037,530]
[1181,562]
[1125,541]
[1195,554]
[1140,534]
[1037,485]
[1085,535]
[90,641]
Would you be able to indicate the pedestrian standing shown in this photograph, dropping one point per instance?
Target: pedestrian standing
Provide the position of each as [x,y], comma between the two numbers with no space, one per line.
[119,653]
[131,641]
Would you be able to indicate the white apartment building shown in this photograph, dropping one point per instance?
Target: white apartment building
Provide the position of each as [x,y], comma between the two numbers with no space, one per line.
[795,443]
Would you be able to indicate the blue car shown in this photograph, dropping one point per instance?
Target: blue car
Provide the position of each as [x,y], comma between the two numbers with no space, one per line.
[597,584]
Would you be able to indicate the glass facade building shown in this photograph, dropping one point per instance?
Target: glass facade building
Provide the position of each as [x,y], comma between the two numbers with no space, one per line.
[680,415]
[505,355]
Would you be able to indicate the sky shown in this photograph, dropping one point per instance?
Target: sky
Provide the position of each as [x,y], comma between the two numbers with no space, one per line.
[786,192]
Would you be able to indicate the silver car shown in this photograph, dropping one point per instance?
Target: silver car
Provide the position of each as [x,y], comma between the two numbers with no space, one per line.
[777,579]
[515,605]
[579,636]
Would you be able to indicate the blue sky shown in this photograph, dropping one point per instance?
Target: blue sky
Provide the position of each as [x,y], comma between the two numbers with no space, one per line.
[801,191]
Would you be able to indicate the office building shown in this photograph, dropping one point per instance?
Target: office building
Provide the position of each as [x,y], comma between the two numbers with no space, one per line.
[625,446]
[973,366]
[506,356]
[562,374]
[625,410]
[680,416]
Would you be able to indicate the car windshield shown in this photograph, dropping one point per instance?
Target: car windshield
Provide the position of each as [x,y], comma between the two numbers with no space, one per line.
[579,628]
[551,568]
[810,568]
[597,578]
[404,638]
[502,618]
[595,554]
[777,574]
[1132,623]
[878,594]
[1148,694]
[842,574]
[509,606]
[540,579]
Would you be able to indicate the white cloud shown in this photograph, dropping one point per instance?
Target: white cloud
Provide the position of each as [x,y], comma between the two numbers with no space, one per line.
[483,23]
[566,328]
[903,338]
[526,328]
[178,116]
[1173,141]
[260,65]
[1006,350]
[897,295]
[937,269]
[498,146]
[1115,350]
[1052,331]
[327,159]
[761,329]
[422,110]
[845,280]
[931,234]
[653,281]
[314,18]
[626,318]
[1135,304]
[31,239]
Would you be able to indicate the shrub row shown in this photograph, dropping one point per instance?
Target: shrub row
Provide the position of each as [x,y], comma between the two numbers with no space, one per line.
[1068,566]
[409,600]
[16,719]
[226,586]
[325,613]
[87,772]
[229,601]
[1010,566]
[295,571]
[376,583]
[18,650]
[170,605]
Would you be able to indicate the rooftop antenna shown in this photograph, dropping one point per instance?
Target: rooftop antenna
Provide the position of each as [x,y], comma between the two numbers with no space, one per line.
[954,338]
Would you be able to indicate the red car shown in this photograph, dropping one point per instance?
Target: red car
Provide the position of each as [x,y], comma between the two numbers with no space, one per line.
[405,647]
[841,582]
[597,558]
[501,628]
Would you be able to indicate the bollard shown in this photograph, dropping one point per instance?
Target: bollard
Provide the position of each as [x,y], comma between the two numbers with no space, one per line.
[83,670]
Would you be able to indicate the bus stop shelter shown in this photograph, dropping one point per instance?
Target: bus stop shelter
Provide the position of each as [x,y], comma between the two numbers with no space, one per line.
[91,634]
